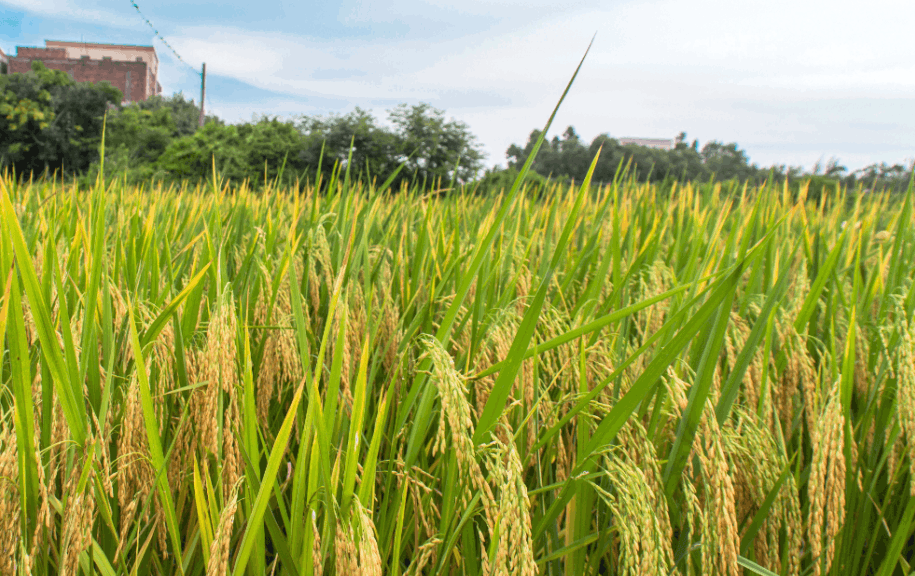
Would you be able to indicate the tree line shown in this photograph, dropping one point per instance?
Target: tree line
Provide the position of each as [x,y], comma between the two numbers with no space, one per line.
[50,124]
[569,158]
[53,125]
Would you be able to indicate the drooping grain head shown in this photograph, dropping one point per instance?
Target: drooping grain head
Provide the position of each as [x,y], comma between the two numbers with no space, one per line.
[456,417]
[9,501]
[514,551]
[220,547]
[826,486]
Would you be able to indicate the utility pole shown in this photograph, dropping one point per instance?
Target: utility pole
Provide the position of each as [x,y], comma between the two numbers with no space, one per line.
[203,92]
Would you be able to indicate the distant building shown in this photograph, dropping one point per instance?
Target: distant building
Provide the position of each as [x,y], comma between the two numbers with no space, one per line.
[659,143]
[134,70]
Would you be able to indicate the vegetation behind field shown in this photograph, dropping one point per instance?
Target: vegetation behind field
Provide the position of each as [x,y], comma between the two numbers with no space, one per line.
[51,124]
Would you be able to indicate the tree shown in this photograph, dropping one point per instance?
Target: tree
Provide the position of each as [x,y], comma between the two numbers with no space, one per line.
[329,139]
[185,113]
[432,146]
[727,161]
[568,158]
[144,133]
[834,169]
[271,147]
[192,157]
[250,152]
[562,158]
[50,122]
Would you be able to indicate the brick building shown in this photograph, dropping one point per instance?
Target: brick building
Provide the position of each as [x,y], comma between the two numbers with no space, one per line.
[134,70]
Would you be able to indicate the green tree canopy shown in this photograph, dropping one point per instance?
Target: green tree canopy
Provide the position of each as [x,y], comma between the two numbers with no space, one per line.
[432,146]
[328,140]
[49,122]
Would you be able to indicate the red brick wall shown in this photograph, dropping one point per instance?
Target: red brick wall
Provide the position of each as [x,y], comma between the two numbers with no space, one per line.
[19,65]
[128,77]
[40,53]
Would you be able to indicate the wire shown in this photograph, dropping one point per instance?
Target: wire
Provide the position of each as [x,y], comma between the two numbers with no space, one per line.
[159,36]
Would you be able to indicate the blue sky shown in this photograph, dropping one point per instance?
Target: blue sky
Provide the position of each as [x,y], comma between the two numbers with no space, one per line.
[791,82]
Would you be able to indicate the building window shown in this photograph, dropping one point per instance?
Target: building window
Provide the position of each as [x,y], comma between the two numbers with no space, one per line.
[84,57]
[106,57]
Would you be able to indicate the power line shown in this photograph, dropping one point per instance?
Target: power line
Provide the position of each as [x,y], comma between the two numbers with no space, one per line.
[159,36]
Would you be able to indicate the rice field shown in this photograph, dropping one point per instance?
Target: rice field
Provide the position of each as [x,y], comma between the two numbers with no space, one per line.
[611,380]
[599,380]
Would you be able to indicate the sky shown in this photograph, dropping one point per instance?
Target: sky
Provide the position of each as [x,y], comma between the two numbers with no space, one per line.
[792,82]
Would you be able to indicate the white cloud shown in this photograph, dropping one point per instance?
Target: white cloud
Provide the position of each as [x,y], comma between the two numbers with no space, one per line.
[655,69]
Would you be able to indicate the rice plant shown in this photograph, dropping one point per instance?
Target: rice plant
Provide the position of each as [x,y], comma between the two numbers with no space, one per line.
[349,380]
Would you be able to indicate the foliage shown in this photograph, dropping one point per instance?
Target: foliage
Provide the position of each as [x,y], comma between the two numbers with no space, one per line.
[184,112]
[727,161]
[568,157]
[193,157]
[421,139]
[49,122]
[329,141]
[433,147]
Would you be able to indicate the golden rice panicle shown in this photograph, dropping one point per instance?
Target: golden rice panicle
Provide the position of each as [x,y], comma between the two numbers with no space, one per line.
[456,417]
[78,519]
[427,555]
[644,529]
[217,365]
[346,557]
[758,463]
[60,437]
[369,557]
[134,475]
[9,501]
[862,376]
[231,454]
[390,334]
[161,357]
[798,380]
[493,350]
[425,510]
[316,555]
[718,495]
[708,488]
[640,451]
[222,538]
[280,361]
[903,364]
[187,437]
[826,486]
[735,339]
[221,352]
[136,478]
[514,551]
[44,520]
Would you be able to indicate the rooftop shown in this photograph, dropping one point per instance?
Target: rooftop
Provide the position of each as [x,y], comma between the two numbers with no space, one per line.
[57,43]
